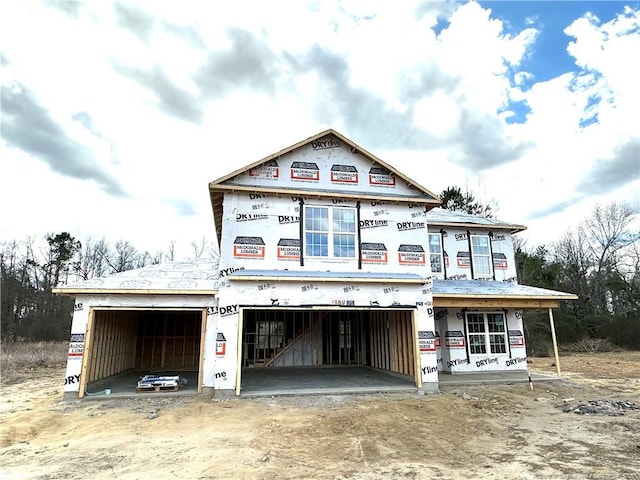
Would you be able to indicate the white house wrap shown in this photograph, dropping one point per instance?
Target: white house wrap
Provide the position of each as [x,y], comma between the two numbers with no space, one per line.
[329,257]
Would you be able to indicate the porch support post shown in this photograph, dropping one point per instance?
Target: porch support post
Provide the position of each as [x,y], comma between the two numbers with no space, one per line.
[239,352]
[555,343]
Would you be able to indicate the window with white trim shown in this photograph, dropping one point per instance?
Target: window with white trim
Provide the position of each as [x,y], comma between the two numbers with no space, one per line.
[330,232]
[435,252]
[481,256]
[486,333]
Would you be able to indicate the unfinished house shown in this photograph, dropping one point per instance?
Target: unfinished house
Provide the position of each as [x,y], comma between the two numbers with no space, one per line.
[336,271]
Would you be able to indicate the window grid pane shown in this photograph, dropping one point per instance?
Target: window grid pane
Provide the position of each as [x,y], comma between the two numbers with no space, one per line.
[317,219]
[477,344]
[480,245]
[497,344]
[495,322]
[344,245]
[317,244]
[481,265]
[475,323]
[344,220]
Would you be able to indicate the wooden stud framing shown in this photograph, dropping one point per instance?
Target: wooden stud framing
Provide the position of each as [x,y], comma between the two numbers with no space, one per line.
[203,331]
[88,338]
[113,343]
[383,338]
[416,349]
[239,351]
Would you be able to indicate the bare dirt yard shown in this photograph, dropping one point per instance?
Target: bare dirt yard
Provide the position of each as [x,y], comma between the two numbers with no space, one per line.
[584,426]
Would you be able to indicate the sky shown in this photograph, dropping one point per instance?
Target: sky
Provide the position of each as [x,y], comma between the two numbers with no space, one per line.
[115,116]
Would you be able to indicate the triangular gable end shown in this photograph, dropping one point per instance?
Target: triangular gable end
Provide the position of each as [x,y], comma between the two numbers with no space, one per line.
[330,164]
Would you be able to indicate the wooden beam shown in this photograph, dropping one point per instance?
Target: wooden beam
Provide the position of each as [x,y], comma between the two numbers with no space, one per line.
[498,302]
[239,352]
[290,192]
[416,348]
[88,338]
[555,344]
[203,332]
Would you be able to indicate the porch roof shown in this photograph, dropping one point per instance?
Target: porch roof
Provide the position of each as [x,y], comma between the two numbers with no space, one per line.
[494,294]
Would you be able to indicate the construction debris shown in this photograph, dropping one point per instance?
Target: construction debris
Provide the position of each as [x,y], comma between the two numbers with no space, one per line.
[611,408]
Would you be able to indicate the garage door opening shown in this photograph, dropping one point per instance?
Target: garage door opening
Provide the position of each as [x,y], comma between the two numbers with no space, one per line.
[296,349]
[124,345]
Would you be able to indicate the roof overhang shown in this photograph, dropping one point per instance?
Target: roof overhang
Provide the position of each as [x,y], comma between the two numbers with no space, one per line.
[325,277]
[494,294]
[497,301]
[73,291]
[427,202]
[512,228]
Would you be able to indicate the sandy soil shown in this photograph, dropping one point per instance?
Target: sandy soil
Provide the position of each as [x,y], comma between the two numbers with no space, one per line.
[496,432]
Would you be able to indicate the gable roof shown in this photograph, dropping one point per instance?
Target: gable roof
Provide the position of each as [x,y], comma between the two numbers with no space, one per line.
[222,184]
[355,148]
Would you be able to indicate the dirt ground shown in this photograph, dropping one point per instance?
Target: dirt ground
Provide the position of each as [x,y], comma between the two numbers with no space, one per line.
[495,432]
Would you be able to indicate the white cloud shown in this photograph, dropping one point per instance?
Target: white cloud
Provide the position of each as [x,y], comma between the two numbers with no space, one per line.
[168,99]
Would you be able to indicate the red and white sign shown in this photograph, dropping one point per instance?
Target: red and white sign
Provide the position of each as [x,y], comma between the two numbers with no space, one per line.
[373,253]
[381,177]
[265,171]
[454,339]
[411,255]
[289,249]
[305,171]
[344,174]
[248,247]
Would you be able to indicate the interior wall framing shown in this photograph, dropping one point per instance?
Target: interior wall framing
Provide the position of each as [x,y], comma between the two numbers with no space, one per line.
[380,338]
[121,339]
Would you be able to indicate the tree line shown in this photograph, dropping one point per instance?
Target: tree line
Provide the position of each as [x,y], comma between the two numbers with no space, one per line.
[31,268]
[599,261]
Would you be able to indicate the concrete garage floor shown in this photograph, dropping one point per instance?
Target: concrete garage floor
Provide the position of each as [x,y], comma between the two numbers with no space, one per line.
[124,385]
[263,382]
[267,382]
[350,380]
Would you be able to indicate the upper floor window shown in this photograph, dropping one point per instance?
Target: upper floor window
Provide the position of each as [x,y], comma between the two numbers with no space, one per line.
[481,255]
[435,252]
[330,232]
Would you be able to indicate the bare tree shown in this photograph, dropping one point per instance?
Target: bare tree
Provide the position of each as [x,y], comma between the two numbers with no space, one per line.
[199,247]
[124,257]
[171,251]
[595,255]
[93,259]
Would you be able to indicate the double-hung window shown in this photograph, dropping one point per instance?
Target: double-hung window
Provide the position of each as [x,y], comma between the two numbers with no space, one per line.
[481,256]
[330,232]
[486,333]
[435,252]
